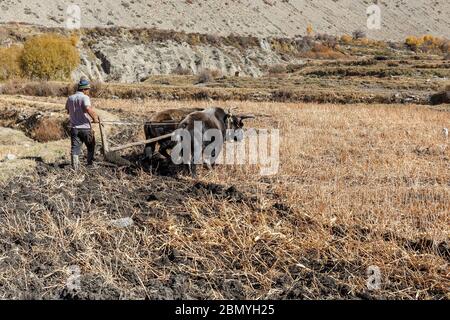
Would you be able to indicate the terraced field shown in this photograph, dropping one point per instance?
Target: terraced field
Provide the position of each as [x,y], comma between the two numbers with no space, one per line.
[359,186]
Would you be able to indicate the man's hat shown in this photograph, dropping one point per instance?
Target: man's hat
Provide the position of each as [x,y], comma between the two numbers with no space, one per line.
[84,84]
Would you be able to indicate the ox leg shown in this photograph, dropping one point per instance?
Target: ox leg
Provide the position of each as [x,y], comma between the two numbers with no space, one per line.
[164,146]
[193,170]
[149,147]
[210,161]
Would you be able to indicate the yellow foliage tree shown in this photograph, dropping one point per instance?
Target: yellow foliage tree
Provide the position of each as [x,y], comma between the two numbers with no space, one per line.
[432,42]
[309,30]
[49,57]
[10,62]
[427,43]
[347,39]
[413,42]
[428,38]
[365,41]
[74,38]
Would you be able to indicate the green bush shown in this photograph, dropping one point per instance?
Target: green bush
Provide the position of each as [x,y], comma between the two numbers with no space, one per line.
[49,57]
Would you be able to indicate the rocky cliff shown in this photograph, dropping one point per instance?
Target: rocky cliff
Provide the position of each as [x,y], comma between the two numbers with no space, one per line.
[121,57]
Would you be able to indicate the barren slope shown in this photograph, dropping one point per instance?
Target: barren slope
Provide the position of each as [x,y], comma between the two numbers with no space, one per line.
[254,17]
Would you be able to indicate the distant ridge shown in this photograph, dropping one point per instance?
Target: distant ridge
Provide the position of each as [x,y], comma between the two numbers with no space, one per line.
[260,18]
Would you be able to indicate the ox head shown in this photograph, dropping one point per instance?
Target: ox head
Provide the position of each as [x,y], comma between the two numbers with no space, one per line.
[235,126]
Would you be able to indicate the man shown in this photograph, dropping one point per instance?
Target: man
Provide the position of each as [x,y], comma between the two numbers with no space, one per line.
[79,108]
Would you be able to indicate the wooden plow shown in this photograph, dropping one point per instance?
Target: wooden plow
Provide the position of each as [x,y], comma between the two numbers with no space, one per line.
[111,153]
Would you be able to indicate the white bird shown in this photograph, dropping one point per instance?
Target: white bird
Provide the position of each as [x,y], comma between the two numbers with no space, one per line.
[445,132]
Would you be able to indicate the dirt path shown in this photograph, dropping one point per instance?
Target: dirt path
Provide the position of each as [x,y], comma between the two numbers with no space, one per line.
[49,106]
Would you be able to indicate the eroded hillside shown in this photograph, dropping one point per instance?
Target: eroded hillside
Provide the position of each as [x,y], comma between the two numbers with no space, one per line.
[260,18]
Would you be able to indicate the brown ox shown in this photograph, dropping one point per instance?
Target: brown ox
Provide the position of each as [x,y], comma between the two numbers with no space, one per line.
[230,126]
[154,129]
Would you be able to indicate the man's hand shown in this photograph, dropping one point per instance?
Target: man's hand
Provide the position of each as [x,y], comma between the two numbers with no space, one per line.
[93,115]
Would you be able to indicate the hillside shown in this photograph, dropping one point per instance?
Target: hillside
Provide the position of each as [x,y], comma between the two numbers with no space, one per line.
[260,18]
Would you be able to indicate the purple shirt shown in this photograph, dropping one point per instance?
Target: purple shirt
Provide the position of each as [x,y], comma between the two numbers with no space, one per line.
[77,106]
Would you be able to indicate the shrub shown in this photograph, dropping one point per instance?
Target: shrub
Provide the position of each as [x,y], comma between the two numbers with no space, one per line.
[216,73]
[430,40]
[380,44]
[179,70]
[427,43]
[194,39]
[277,69]
[346,39]
[358,34]
[365,42]
[445,47]
[213,39]
[304,44]
[10,62]
[320,51]
[240,42]
[97,89]
[205,76]
[291,68]
[10,88]
[328,40]
[395,45]
[49,129]
[283,46]
[413,42]
[309,30]
[49,57]
[74,39]
[40,89]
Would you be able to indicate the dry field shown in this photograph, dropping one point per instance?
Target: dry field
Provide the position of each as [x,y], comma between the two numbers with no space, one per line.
[358,186]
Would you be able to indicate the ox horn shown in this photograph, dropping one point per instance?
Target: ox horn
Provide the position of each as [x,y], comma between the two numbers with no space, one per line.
[231,110]
[247,116]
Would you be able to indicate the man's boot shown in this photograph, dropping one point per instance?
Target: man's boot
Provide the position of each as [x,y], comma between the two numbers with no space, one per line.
[90,157]
[75,163]
[90,148]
